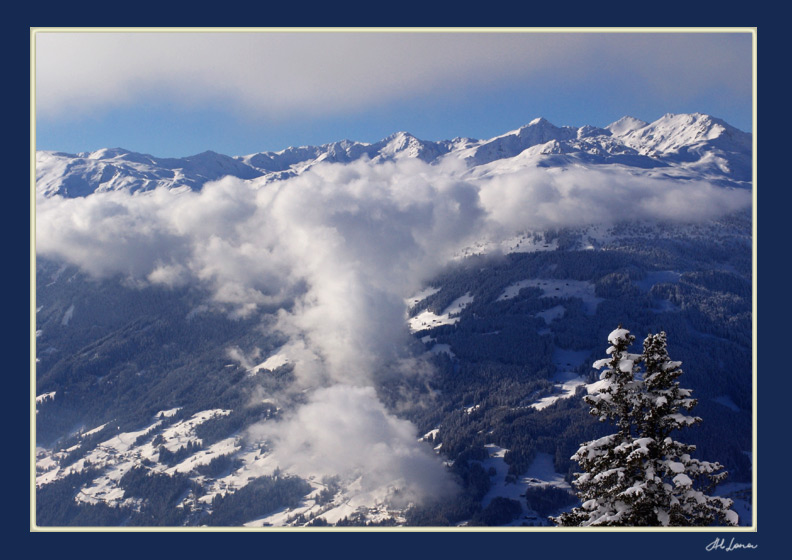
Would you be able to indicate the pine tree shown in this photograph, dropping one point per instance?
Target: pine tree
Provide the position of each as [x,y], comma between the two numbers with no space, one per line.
[676,486]
[640,476]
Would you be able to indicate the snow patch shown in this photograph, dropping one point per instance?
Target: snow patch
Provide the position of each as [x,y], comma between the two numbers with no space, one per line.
[95,430]
[563,390]
[431,434]
[182,433]
[273,362]
[429,320]
[44,397]
[206,456]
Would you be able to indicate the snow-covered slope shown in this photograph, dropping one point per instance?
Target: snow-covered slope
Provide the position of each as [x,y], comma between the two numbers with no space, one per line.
[694,144]
[704,143]
[674,133]
[74,175]
[625,125]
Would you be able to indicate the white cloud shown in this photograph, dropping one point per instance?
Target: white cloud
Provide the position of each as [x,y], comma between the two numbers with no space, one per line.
[283,75]
[536,198]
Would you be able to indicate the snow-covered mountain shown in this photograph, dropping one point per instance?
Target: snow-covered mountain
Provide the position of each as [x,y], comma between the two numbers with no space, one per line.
[402,340]
[683,145]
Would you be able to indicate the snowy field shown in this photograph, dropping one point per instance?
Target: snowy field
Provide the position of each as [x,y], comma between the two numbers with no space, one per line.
[273,362]
[449,316]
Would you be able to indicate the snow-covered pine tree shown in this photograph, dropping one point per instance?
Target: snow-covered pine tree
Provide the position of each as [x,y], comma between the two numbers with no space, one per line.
[640,476]
[609,463]
[676,486]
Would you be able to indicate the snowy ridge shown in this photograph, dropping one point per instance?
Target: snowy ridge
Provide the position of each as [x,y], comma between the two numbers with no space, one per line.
[672,133]
[694,143]
[626,125]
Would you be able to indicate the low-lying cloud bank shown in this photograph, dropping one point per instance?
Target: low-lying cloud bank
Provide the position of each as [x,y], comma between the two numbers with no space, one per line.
[538,199]
[346,244]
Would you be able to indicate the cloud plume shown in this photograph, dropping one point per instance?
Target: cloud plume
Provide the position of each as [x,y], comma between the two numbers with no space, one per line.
[346,432]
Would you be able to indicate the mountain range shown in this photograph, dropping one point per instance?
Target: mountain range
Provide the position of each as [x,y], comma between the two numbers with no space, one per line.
[681,145]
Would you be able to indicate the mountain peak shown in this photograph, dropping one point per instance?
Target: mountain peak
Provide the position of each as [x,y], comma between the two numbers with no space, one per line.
[400,140]
[106,153]
[625,125]
[700,121]
[398,135]
[678,131]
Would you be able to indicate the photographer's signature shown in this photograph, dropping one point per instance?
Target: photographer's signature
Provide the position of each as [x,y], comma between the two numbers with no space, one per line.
[720,544]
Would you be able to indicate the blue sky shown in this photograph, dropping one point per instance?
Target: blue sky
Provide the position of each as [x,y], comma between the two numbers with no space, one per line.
[180,93]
